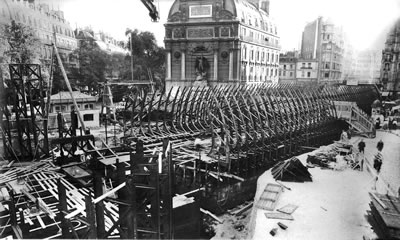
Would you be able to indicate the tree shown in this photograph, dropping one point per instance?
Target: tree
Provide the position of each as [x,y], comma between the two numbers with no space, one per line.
[146,55]
[18,45]
[92,64]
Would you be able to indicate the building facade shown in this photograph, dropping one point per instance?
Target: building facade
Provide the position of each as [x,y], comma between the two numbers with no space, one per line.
[323,42]
[366,67]
[287,67]
[88,105]
[307,70]
[44,23]
[390,69]
[220,42]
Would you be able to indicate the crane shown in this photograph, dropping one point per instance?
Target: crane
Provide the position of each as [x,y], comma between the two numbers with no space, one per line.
[153,13]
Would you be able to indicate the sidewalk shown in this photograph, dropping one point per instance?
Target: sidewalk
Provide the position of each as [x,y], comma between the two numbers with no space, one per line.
[335,204]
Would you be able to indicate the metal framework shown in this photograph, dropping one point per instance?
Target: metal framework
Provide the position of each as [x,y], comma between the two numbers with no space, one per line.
[243,129]
[27,122]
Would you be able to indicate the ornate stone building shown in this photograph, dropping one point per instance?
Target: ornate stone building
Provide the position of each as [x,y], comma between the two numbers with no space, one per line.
[390,68]
[221,42]
[44,22]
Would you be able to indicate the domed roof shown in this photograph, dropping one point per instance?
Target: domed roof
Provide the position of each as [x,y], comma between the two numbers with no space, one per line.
[376,104]
[241,10]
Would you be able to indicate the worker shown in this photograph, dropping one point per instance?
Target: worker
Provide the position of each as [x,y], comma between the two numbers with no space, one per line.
[344,137]
[361,146]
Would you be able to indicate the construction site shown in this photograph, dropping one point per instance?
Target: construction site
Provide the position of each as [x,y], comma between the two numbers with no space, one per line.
[194,160]
[182,154]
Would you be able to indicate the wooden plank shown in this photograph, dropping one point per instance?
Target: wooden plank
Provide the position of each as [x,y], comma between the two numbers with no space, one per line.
[278,215]
[383,205]
[42,225]
[288,209]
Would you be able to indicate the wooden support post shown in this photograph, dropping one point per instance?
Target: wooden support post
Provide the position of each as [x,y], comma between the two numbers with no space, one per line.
[63,208]
[98,191]
[168,225]
[132,226]
[13,213]
[60,125]
[23,226]
[123,196]
[91,218]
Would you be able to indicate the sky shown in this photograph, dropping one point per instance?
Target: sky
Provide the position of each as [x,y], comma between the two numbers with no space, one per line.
[363,20]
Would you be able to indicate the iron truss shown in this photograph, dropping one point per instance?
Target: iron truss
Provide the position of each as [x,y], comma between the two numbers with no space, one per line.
[242,129]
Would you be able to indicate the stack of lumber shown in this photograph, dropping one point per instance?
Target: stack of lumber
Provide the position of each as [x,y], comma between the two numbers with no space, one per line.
[385,213]
[291,170]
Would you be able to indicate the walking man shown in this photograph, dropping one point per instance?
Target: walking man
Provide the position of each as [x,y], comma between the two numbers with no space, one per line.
[378,159]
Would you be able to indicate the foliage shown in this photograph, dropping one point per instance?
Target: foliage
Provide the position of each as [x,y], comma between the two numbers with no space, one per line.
[23,46]
[92,64]
[146,55]
[18,44]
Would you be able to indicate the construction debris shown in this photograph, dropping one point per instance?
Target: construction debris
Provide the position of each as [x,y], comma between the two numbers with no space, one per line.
[288,209]
[278,215]
[385,215]
[291,170]
[269,198]
[283,226]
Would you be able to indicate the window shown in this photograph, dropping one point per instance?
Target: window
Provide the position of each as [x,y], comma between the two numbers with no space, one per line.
[308,74]
[303,65]
[326,75]
[272,60]
[267,57]
[252,54]
[284,66]
[326,65]
[309,65]
[302,73]
[291,74]
[57,108]
[88,117]
[284,73]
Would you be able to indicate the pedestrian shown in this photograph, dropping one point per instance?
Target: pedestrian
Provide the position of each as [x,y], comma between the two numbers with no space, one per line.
[378,123]
[378,158]
[361,146]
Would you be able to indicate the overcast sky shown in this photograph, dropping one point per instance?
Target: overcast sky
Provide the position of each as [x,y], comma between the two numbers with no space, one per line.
[363,20]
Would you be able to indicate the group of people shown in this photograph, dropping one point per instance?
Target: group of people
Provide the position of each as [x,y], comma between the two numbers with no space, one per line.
[378,157]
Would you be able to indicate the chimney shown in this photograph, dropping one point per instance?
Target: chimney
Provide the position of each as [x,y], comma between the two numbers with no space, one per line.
[261,4]
[265,5]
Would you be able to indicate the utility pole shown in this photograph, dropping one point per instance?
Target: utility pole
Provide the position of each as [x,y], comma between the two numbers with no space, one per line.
[131,56]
